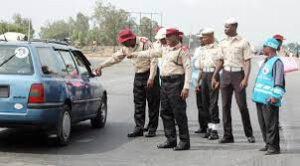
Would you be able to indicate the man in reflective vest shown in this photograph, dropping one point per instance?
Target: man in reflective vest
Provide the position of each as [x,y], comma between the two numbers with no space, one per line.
[267,94]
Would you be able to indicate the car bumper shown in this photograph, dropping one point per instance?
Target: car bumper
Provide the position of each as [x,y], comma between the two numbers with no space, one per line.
[39,115]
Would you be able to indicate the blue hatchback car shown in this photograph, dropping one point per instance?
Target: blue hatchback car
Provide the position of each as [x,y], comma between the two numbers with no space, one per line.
[49,85]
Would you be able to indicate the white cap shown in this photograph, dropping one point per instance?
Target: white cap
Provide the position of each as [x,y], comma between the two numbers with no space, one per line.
[199,35]
[207,31]
[161,34]
[231,21]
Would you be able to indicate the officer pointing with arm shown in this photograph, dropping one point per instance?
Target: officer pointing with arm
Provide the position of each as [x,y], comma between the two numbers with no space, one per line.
[146,81]
[175,76]
[268,90]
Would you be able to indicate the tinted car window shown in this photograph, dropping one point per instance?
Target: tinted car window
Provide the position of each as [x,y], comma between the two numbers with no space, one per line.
[69,62]
[12,63]
[52,63]
[81,66]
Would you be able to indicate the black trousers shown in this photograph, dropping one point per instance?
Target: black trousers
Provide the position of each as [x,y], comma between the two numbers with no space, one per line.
[202,115]
[269,124]
[231,83]
[142,94]
[210,98]
[173,108]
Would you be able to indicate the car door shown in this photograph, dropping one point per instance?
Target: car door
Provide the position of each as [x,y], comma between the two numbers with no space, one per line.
[91,82]
[75,85]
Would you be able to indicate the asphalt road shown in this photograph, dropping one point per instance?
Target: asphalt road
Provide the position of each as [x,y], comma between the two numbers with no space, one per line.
[110,146]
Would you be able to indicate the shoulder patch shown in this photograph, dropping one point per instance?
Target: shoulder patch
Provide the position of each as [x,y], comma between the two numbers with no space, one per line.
[184,48]
[143,40]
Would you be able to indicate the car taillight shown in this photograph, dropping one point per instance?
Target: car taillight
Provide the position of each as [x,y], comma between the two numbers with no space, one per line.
[36,94]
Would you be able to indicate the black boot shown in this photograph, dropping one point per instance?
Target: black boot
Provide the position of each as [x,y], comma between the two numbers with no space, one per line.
[167,144]
[207,134]
[182,146]
[150,134]
[136,133]
[213,135]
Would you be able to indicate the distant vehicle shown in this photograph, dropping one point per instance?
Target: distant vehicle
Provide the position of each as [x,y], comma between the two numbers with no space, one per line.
[50,86]
[13,36]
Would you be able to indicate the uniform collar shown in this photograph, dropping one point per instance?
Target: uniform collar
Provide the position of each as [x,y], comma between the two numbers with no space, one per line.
[237,37]
[210,45]
[179,45]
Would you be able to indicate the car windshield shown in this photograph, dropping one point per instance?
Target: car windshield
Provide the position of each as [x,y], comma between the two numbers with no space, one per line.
[15,60]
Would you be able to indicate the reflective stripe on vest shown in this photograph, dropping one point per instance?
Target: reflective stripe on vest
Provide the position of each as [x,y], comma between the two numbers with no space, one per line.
[264,86]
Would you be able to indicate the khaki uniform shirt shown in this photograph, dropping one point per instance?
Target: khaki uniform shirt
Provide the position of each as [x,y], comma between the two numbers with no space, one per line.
[141,65]
[175,61]
[235,51]
[209,56]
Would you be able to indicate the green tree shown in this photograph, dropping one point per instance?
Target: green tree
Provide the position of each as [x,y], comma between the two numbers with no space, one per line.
[146,28]
[109,21]
[80,28]
[19,24]
[58,30]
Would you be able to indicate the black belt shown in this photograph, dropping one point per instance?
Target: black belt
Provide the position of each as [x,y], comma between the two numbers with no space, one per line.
[143,73]
[172,78]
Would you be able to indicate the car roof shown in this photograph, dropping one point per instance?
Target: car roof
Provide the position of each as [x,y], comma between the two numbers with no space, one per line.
[56,45]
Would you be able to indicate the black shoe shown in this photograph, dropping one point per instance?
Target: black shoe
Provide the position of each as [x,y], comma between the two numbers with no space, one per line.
[207,134]
[264,149]
[146,128]
[273,151]
[251,139]
[213,135]
[136,133]
[182,146]
[150,134]
[167,144]
[226,140]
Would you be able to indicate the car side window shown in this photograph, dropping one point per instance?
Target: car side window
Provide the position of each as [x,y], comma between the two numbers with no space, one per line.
[51,63]
[81,66]
[69,62]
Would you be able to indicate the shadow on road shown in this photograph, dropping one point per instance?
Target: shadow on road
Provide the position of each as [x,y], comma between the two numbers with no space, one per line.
[84,140]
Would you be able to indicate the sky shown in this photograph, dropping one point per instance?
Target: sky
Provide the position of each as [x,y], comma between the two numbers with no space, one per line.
[258,19]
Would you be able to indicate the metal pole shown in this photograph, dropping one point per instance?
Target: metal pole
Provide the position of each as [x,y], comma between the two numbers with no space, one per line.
[161,19]
[140,22]
[151,28]
[29,30]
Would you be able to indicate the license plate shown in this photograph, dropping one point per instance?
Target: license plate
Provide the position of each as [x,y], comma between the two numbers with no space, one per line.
[4,91]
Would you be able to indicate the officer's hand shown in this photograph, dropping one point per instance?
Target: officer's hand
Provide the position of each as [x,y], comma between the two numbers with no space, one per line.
[244,84]
[150,83]
[98,71]
[215,84]
[184,94]
[129,56]
[197,88]
[272,100]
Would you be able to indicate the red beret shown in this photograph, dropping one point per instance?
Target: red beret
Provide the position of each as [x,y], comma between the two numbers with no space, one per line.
[125,34]
[173,31]
[278,37]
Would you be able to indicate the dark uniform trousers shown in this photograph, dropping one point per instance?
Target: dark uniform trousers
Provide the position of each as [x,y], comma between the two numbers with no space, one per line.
[173,108]
[269,124]
[210,98]
[231,83]
[141,95]
[202,115]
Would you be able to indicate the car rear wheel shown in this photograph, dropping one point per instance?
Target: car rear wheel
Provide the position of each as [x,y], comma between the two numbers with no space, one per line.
[64,127]
[100,120]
